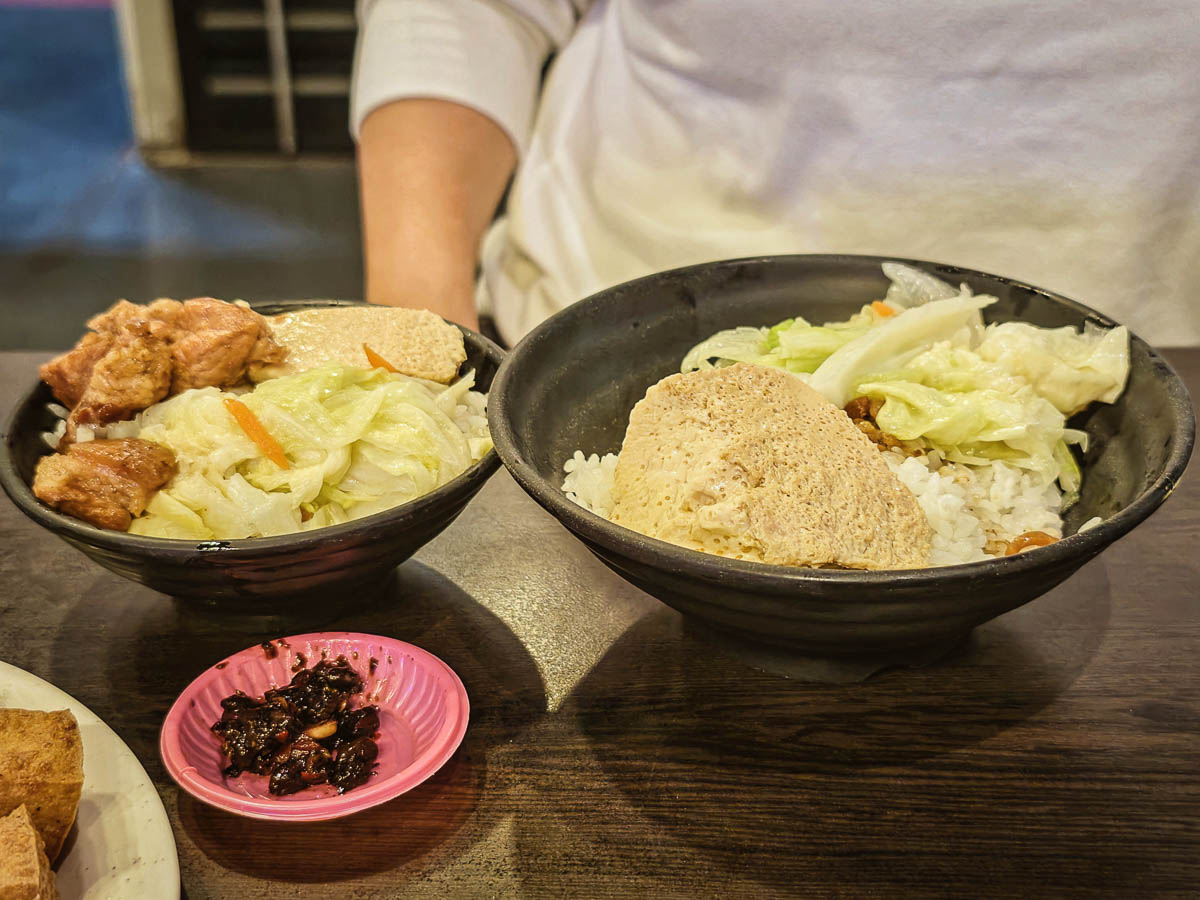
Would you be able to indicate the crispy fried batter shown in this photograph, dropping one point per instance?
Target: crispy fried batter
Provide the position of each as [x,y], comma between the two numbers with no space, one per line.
[24,867]
[750,462]
[416,341]
[41,766]
[105,482]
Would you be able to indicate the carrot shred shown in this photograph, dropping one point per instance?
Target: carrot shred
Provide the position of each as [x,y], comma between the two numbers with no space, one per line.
[377,361]
[245,417]
[882,309]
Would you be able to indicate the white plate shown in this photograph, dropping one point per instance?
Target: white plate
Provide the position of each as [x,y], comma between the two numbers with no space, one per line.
[122,845]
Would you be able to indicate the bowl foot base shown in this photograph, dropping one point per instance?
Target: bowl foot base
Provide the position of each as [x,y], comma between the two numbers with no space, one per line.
[809,666]
[312,611]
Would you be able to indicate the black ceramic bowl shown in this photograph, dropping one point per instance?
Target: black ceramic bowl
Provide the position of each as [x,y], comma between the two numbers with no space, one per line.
[261,576]
[570,384]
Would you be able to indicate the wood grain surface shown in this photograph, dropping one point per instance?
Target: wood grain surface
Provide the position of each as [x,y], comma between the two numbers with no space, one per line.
[615,751]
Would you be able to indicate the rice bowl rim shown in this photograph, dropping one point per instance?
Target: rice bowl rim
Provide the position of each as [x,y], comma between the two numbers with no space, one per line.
[770,578]
[75,529]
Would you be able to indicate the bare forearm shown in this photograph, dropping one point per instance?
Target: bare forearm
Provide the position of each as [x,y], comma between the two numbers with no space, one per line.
[431,173]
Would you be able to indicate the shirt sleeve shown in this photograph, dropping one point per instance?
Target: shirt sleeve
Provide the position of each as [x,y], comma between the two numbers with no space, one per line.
[485,54]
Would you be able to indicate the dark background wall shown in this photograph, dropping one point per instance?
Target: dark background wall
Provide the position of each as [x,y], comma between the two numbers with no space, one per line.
[84,221]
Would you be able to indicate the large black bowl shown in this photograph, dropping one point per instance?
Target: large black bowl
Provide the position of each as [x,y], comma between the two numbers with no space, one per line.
[260,576]
[571,383]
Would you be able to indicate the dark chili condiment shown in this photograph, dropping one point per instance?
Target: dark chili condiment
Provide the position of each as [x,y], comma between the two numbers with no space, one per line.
[303,734]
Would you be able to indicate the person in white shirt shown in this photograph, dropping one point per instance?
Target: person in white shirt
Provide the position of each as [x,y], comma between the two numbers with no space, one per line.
[1057,142]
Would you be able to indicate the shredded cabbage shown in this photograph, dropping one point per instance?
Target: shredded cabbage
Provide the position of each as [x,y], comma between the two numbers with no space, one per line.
[899,339]
[912,287]
[1068,368]
[793,344]
[358,441]
[947,383]
[970,410]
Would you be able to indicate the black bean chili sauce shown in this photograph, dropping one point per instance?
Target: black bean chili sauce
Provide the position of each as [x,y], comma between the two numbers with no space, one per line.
[303,734]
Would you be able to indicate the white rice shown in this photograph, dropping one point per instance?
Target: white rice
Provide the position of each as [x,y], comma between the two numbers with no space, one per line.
[470,415]
[973,511]
[589,481]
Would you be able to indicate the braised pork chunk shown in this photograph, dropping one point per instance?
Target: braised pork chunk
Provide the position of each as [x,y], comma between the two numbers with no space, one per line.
[135,356]
[134,373]
[215,342]
[68,374]
[105,482]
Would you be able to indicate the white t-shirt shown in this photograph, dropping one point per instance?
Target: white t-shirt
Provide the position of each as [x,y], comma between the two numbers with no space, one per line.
[1056,142]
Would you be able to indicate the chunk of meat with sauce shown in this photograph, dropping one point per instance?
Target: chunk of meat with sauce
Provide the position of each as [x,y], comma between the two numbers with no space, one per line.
[68,374]
[267,351]
[863,410]
[104,482]
[122,313]
[135,356]
[134,373]
[215,342]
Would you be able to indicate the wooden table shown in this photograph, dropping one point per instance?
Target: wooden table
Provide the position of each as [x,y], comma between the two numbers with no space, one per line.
[614,752]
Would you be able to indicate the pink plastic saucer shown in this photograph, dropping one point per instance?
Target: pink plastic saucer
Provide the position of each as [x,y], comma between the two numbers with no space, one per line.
[423,712]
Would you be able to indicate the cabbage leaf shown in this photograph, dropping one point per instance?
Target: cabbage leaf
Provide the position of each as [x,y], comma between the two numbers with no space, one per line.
[793,344]
[972,411]
[896,341]
[357,441]
[947,383]
[1069,368]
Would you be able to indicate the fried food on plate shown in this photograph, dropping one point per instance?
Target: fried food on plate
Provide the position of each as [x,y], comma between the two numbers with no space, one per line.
[41,766]
[25,872]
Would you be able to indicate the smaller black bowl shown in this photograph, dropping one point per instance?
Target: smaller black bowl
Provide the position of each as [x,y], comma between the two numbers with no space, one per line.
[571,383]
[259,576]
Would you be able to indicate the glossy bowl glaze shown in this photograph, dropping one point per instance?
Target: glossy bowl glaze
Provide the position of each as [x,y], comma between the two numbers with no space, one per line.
[571,383]
[260,576]
[423,712]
